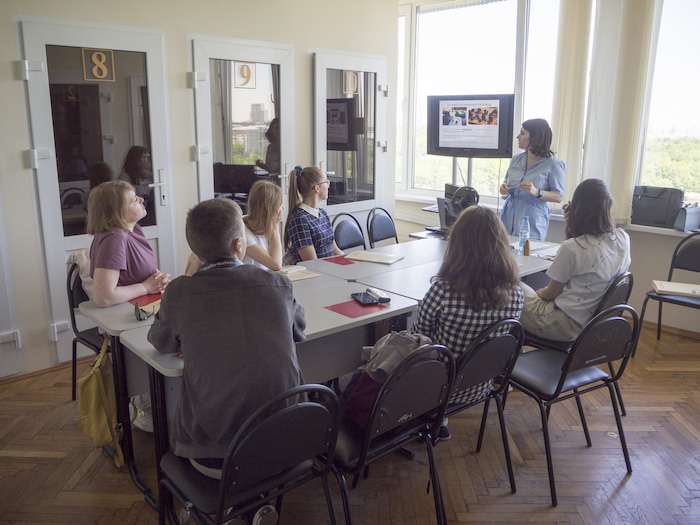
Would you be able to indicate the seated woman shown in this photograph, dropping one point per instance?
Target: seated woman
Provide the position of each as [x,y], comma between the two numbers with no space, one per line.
[122,263]
[263,244]
[477,286]
[308,233]
[594,253]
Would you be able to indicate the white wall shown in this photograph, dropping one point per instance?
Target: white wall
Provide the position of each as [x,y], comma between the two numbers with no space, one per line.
[363,26]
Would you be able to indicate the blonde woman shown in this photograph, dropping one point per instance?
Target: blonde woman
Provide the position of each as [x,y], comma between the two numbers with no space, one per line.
[263,244]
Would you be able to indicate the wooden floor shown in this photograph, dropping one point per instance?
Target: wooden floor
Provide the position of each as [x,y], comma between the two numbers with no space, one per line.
[50,474]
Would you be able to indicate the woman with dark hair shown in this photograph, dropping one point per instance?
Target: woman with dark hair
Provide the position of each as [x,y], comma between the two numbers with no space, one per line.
[534,178]
[272,157]
[595,252]
[308,233]
[477,286]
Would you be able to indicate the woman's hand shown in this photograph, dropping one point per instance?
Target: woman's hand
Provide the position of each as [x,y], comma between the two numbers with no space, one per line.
[503,189]
[157,282]
[530,188]
[565,209]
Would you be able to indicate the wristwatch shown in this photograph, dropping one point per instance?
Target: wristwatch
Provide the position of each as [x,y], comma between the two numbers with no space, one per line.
[539,193]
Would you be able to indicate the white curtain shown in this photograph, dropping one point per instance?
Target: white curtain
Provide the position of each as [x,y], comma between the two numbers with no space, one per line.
[624,43]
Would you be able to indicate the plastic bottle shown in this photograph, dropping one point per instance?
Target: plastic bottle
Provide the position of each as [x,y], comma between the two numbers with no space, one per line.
[524,245]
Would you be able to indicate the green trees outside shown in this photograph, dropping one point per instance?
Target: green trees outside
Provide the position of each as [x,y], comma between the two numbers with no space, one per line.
[673,163]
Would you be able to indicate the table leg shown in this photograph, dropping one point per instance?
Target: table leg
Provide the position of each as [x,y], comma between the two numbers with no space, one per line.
[122,396]
[156,383]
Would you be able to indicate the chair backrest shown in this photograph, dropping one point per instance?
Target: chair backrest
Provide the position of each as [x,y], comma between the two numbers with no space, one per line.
[348,232]
[606,338]
[617,292]
[492,354]
[415,392]
[76,293]
[686,256]
[295,427]
[380,226]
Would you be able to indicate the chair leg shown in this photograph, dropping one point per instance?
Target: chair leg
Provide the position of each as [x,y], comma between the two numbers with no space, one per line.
[75,354]
[483,422]
[583,418]
[329,500]
[658,324]
[440,513]
[343,494]
[548,453]
[617,391]
[506,446]
[621,432]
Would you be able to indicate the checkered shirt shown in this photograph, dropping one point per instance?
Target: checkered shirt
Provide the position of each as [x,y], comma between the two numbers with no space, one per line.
[306,230]
[448,320]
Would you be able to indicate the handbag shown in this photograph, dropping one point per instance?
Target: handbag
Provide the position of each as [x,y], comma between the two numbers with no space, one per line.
[657,207]
[97,405]
[688,218]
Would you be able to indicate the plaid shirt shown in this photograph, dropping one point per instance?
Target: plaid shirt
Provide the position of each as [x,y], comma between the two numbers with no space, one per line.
[307,230]
[448,320]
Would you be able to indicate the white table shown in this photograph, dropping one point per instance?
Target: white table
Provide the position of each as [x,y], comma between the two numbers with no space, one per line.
[414,253]
[414,282]
[129,376]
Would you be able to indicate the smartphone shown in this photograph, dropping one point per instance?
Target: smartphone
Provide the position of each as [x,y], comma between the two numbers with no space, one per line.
[364,298]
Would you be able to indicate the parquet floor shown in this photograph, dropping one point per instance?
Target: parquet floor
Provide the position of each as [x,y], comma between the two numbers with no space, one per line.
[49,473]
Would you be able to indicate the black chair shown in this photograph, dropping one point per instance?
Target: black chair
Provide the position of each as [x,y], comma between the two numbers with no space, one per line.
[686,256]
[380,226]
[490,357]
[550,376]
[410,406]
[90,337]
[348,232]
[617,292]
[277,449]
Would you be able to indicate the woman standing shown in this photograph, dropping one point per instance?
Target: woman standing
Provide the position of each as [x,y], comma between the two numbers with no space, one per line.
[533,179]
[122,263]
[308,233]
[594,253]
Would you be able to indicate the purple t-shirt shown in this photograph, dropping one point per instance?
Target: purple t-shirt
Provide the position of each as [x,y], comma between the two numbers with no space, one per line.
[128,252]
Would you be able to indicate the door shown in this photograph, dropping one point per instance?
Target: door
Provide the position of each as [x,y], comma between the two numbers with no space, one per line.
[241,89]
[94,92]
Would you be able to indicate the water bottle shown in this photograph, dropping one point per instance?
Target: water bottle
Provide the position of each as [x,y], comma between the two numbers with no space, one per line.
[524,245]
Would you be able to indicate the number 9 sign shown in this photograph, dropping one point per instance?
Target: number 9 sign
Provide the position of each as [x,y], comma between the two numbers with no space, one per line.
[244,76]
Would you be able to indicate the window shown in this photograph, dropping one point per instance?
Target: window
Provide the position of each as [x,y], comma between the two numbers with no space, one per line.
[470,48]
[672,149]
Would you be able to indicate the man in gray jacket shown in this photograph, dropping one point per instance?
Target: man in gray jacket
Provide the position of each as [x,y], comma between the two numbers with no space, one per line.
[235,326]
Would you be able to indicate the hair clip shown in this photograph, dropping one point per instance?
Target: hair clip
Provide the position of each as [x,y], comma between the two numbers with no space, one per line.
[300,170]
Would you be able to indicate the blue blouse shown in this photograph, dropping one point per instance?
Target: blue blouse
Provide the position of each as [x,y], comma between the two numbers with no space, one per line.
[307,230]
[547,174]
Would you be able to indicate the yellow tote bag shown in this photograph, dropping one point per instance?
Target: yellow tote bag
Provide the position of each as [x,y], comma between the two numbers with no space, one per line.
[97,405]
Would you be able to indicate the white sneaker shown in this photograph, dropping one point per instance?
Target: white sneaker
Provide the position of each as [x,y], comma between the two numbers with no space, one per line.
[144,414]
[265,515]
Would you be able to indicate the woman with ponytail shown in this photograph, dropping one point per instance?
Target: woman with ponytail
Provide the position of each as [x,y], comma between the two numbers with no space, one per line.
[308,233]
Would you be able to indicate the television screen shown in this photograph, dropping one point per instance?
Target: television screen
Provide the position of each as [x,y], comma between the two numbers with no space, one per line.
[477,126]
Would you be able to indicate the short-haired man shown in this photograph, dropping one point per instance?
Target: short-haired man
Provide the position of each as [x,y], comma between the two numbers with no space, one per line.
[235,325]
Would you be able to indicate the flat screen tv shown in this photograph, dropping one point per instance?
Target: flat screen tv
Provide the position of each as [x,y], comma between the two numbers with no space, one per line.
[477,126]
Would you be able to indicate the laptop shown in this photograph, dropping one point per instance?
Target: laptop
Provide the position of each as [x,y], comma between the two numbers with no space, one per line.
[446,219]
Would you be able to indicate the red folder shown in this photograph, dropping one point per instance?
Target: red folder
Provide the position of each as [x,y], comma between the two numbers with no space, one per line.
[354,309]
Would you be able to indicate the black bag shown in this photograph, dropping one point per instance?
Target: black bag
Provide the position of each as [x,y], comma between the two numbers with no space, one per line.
[688,218]
[656,206]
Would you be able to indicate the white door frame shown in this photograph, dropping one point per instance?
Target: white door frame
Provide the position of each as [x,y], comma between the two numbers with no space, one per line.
[36,33]
[206,47]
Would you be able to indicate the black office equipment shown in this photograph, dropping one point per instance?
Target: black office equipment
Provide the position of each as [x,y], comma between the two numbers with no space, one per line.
[657,207]
[233,178]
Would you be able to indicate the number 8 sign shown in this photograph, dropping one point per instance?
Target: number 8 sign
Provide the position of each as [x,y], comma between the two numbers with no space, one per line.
[244,75]
[98,65]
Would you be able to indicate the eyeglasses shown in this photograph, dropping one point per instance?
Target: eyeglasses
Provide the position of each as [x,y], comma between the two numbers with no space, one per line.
[140,313]
[324,182]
